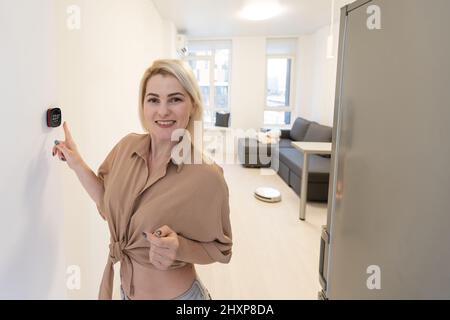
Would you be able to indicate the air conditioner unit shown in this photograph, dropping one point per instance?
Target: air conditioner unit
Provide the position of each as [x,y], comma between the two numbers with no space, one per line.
[181,45]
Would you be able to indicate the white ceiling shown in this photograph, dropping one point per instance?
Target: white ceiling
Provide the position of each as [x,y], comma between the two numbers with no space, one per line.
[219,18]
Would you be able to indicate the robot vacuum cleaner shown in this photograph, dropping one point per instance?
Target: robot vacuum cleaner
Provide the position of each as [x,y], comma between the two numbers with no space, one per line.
[267,194]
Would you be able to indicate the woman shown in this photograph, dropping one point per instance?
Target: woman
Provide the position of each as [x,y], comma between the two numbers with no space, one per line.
[164,214]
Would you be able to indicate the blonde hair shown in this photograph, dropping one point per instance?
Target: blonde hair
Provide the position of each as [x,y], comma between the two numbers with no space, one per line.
[183,73]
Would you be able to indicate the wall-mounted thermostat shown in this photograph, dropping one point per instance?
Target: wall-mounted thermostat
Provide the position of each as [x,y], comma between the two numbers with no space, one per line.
[54,117]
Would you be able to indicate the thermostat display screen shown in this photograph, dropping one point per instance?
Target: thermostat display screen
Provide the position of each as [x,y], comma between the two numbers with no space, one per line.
[54,117]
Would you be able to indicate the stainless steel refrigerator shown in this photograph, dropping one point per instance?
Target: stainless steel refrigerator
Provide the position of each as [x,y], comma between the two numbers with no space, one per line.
[388,228]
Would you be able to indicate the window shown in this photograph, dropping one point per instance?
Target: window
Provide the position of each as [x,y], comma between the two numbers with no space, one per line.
[211,63]
[279,81]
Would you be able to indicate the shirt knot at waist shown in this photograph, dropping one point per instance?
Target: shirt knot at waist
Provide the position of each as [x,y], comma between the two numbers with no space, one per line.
[116,251]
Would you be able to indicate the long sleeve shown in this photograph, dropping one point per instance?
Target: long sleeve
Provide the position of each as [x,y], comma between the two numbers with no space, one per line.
[219,250]
[203,252]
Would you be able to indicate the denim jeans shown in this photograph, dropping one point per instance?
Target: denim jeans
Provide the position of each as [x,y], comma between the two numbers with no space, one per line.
[197,291]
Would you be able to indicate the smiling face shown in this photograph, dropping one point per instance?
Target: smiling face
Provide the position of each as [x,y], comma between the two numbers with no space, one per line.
[167,106]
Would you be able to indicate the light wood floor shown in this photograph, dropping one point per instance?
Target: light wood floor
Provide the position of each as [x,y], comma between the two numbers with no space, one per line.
[275,255]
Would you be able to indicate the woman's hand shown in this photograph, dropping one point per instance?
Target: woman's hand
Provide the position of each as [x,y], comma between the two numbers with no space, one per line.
[67,149]
[163,247]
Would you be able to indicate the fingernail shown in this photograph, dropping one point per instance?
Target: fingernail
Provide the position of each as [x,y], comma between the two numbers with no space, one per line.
[144,234]
[56,142]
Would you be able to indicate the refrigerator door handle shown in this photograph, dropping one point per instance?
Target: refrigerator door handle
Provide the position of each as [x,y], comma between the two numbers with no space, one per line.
[324,241]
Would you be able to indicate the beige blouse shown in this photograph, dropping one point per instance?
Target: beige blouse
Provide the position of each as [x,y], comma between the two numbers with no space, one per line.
[192,199]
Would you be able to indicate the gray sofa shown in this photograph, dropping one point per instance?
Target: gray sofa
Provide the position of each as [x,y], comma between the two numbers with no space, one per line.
[291,160]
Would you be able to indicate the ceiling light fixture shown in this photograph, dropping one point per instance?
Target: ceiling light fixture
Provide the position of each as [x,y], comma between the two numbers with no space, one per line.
[257,10]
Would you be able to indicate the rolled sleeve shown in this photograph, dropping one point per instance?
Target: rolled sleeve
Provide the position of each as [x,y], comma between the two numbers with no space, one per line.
[219,250]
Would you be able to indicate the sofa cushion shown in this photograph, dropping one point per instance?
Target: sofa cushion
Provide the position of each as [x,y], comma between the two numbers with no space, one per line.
[299,129]
[285,134]
[318,133]
[222,119]
[319,167]
[285,143]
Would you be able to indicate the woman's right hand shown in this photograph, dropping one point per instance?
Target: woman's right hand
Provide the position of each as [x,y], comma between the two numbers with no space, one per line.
[67,150]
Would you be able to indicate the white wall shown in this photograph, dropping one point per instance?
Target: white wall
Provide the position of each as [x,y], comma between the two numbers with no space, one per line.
[316,76]
[31,229]
[100,68]
[316,85]
[93,74]
[169,39]
[248,82]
